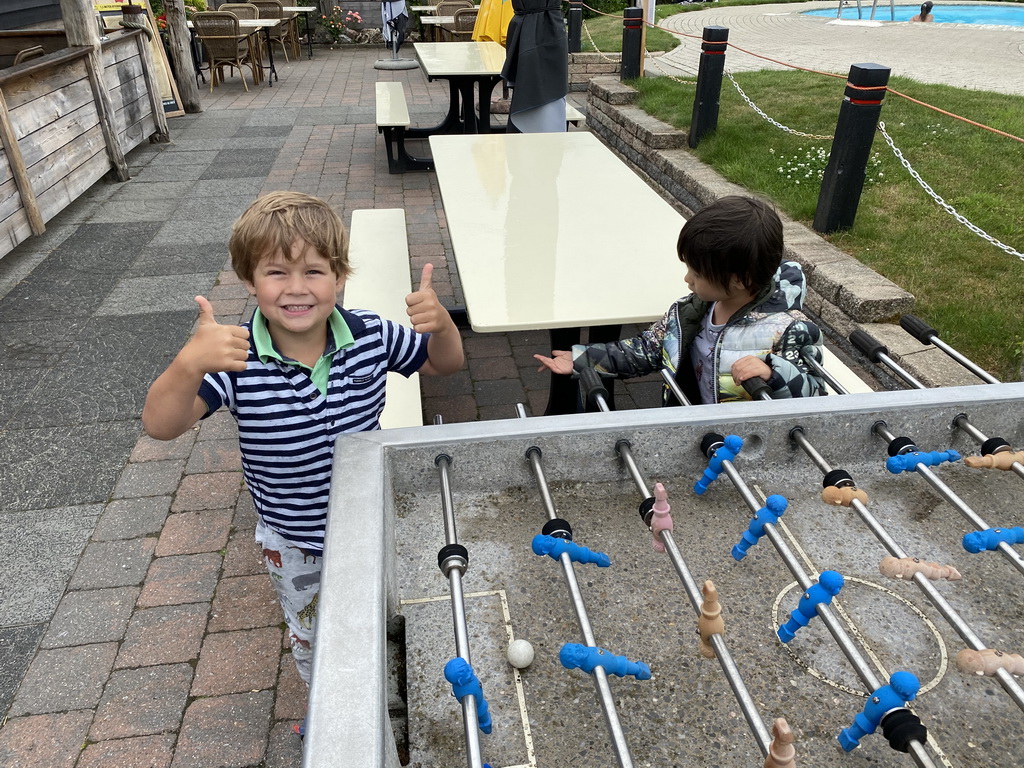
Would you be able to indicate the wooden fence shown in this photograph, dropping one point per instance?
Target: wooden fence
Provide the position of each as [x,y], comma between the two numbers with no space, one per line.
[58,137]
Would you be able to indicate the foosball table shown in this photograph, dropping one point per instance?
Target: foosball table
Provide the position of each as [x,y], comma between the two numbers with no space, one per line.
[819,582]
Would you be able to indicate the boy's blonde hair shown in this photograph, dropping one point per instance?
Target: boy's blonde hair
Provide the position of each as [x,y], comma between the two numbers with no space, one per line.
[274,222]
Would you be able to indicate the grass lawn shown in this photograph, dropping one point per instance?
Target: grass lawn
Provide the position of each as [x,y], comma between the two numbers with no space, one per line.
[971,291]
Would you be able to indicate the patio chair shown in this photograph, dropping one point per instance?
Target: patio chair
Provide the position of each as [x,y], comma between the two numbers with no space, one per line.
[226,45]
[448,8]
[285,33]
[465,21]
[247,11]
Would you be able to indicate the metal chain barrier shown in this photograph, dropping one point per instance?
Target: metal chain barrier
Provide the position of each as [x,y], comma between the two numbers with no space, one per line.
[654,61]
[942,203]
[594,45]
[774,122]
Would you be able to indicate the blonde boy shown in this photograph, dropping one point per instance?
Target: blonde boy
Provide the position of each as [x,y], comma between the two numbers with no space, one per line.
[299,374]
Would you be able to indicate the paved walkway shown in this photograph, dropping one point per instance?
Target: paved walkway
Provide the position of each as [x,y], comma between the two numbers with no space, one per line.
[137,627]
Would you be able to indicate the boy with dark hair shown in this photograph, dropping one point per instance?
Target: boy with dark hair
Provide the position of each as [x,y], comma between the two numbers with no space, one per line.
[299,374]
[742,318]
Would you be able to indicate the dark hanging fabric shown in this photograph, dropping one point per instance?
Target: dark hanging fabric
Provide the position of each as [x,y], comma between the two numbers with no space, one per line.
[536,54]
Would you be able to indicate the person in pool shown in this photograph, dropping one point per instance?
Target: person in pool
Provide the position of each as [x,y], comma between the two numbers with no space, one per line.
[926,12]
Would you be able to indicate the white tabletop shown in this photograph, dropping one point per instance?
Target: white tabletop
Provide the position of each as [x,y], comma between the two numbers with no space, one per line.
[552,230]
[299,9]
[436,20]
[456,59]
[249,23]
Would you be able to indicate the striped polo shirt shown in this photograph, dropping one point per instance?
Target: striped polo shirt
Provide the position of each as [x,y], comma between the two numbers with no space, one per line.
[287,426]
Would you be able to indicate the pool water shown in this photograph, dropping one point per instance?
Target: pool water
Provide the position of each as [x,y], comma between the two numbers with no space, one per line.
[1005,14]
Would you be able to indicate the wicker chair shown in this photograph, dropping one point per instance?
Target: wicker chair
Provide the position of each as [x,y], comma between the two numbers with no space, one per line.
[247,11]
[465,21]
[448,8]
[226,45]
[285,33]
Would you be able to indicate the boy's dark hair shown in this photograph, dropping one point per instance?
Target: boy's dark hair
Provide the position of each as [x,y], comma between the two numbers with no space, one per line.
[737,236]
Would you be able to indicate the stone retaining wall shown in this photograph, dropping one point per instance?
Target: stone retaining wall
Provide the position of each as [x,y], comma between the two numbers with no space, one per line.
[585,66]
[843,294]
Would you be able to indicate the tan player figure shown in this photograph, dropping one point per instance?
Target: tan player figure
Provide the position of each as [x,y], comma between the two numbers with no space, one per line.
[1001,460]
[905,568]
[843,497]
[710,621]
[988,661]
[781,752]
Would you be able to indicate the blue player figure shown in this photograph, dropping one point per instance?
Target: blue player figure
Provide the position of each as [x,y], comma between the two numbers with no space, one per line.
[770,513]
[990,539]
[464,682]
[726,452]
[902,688]
[907,462]
[585,657]
[554,547]
[828,586]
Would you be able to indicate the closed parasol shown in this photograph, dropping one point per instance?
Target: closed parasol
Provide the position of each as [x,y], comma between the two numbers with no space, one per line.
[537,66]
[492,21]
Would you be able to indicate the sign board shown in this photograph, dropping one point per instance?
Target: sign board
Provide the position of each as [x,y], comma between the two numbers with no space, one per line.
[110,16]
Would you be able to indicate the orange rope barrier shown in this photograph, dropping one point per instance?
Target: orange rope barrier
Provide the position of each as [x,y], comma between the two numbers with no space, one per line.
[828,74]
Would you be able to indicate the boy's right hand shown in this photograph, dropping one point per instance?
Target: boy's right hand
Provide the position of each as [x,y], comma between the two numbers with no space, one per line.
[559,362]
[215,347]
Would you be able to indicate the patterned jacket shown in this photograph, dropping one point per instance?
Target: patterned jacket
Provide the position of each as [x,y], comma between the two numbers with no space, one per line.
[771,327]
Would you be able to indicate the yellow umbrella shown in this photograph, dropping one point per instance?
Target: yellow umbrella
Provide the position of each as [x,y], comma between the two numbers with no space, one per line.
[492,20]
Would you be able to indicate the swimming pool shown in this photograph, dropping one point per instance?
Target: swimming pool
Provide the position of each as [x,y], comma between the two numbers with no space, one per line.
[1006,14]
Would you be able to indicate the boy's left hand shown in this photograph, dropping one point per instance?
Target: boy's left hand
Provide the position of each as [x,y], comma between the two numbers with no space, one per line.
[750,367]
[426,313]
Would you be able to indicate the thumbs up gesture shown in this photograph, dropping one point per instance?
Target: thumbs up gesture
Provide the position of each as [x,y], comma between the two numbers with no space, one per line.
[215,347]
[425,312]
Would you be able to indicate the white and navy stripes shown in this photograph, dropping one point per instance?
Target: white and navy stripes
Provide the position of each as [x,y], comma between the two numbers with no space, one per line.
[287,428]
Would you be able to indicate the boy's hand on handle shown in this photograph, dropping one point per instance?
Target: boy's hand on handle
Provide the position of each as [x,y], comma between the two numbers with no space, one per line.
[426,313]
[559,362]
[750,367]
[215,347]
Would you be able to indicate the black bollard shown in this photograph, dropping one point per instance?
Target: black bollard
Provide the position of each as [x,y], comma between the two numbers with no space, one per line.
[709,83]
[632,42]
[844,175]
[575,28]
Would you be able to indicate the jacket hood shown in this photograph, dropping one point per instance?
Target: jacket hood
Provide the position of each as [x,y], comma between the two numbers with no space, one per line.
[787,290]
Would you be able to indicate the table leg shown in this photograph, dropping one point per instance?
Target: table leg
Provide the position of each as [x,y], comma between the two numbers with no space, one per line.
[486,88]
[452,122]
[270,58]
[564,393]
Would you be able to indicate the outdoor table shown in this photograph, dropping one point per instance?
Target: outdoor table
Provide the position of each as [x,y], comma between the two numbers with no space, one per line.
[553,231]
[464,66]
[254,25]
[435,23]
[305,10]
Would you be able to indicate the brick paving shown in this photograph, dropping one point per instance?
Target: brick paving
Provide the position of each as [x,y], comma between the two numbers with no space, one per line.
[163,645]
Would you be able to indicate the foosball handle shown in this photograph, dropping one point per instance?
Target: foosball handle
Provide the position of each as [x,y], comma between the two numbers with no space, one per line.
[871,347]
[710,621]
[918,328]
[781,752]
[595,394]
[757,388]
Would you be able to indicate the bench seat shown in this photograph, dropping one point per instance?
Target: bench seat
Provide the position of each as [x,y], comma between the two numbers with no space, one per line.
[379,255]
[392,121]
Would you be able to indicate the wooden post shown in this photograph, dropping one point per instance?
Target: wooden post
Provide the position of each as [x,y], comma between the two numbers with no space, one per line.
[149,71]
[81,29]
[181,55]
[18,170]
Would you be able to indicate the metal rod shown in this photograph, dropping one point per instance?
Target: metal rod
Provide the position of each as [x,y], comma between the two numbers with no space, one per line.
[604,692]
[981,373]
[859,663]
[474,758]
[900,371]
[955,501]
[1009,683]
[693,592]
[673,385]
[819,369]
